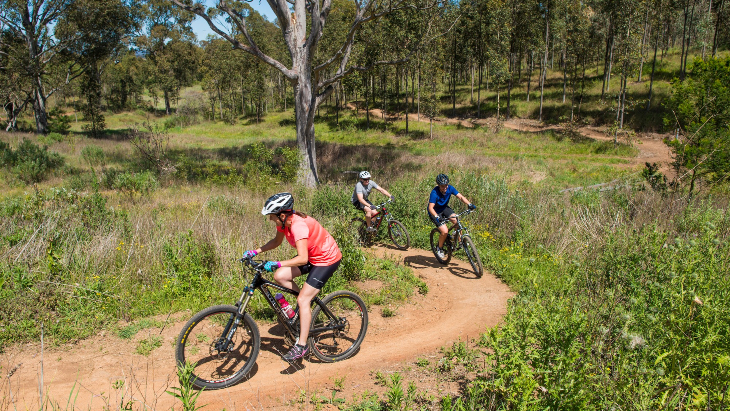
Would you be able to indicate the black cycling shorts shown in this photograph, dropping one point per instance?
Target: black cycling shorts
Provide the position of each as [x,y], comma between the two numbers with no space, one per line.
[317,275]
[360,206]
[445,214]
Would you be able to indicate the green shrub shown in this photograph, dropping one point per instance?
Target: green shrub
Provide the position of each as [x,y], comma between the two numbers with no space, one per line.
[7,155]
[30,163]
[51,138]
[135,185]
[646,315]
[332,201]
[58,122]
[288,163]
[189,264]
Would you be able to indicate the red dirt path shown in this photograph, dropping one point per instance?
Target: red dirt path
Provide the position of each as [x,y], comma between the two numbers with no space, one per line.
[458,306]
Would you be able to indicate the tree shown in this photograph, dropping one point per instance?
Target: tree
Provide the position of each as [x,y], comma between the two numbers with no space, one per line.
[39,53]
[170,49]
[700,109]
[302,27]
[95,30]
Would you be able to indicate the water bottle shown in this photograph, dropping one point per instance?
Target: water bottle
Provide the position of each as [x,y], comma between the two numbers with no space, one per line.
[288,311]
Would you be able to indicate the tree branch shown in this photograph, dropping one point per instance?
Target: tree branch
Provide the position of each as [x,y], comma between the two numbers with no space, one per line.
[255,51]
[352,69]
[341,72]
[360,19]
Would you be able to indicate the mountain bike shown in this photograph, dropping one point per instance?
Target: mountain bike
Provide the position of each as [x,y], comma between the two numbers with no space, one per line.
[223,341]
[450,244]
[396,229]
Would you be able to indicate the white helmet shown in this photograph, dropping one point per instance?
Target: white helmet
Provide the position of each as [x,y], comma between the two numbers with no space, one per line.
[278,203]
[364,174]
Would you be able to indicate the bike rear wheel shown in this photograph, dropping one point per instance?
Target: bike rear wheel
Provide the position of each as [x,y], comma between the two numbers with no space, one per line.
[202,344]
[339,336]
[360,233]
[447,248]
[399,234]
[471,253]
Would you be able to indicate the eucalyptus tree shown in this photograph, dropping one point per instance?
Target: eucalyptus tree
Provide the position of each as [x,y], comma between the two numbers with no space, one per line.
[168,44]
[16,90]
[95,31]
[302,24]
[124,80]
[39,53]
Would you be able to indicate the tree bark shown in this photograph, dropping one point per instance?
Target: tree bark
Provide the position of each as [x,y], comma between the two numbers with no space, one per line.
[643,41]
[530,67]
[718,20]
[543,71]
[653,66]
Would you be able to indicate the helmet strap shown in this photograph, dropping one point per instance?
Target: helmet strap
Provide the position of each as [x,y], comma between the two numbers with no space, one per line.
[283,222]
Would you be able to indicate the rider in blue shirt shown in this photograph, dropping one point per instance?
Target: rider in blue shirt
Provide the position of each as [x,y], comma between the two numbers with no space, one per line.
[439,210]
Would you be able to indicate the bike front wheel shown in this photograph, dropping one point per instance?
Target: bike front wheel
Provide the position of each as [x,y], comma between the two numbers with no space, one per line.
[471,253]
[447,248]
[399,234]
[338,326]
[218,362]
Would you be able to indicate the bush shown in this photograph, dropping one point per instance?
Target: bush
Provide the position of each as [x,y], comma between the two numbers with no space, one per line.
[51,138]
[58,122]
[29,162]
[135,185]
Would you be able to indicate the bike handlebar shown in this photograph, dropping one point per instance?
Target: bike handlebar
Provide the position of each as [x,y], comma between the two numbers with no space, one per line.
[465,212]
[257,265]
[379,206]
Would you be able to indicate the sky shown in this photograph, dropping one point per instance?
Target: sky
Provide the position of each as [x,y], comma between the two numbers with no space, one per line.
[200,26]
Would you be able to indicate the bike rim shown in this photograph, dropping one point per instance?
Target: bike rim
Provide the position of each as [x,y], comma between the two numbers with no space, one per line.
[213,363]
[338,342]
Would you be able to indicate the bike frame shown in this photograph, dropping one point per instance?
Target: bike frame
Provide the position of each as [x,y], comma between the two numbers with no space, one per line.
[262,284]
[458,228]
[386,215]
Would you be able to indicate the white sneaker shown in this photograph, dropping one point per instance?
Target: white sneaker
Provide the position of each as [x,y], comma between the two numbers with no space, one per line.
[371,229]
[440,253]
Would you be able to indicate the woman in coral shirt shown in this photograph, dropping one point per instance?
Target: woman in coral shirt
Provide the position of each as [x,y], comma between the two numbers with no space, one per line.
[318,256]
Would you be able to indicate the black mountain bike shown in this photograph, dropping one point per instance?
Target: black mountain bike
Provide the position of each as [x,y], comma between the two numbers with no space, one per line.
[222,342]
[396,229]
[450,244]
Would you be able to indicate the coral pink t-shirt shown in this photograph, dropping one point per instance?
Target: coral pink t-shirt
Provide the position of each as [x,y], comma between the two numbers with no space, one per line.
[322,248]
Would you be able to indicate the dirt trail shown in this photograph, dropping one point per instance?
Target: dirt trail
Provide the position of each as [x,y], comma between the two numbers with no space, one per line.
[457,306]
[650,145]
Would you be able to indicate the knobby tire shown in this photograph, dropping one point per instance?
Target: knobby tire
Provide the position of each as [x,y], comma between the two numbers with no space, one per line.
[340,343]
[471,252]
[215,368]
[399,234]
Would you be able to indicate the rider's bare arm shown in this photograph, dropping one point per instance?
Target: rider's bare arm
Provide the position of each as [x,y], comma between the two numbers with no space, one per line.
[362,200]
[302,255]
[463,199]
[431,211]
[273,243]
[384,191]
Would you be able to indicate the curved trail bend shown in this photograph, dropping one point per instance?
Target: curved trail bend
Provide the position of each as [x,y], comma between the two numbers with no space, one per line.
[105,371]
[650,145]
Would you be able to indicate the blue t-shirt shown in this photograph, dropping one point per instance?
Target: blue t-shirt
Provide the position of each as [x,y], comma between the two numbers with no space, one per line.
[441,201]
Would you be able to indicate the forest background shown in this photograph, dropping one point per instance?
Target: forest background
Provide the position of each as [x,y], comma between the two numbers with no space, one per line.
[135,155]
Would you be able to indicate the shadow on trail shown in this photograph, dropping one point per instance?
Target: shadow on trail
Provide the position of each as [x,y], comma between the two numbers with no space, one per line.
[420,261]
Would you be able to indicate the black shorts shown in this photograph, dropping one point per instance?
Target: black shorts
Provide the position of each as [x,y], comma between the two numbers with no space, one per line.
[317,275]
[359,205]
[445,214]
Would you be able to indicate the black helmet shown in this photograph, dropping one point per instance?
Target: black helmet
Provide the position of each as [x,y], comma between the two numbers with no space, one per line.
[278,203]
[442,179]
